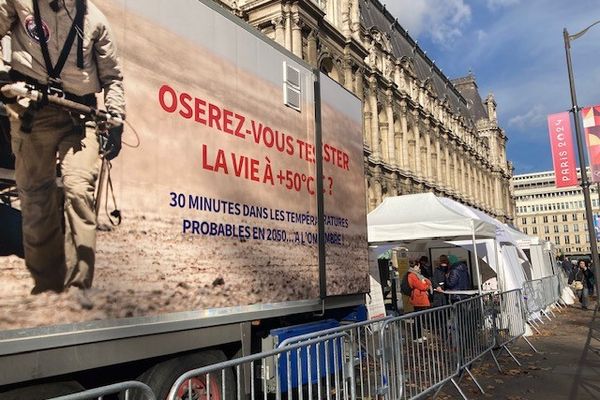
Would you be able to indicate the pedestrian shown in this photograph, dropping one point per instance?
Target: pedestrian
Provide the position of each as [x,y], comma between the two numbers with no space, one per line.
[568,268]
[587,279]
[419,298]
[425,267]
[59,237]
[438,282]
[457,278]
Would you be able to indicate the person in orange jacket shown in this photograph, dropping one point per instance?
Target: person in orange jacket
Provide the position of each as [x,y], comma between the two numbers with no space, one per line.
[419,297]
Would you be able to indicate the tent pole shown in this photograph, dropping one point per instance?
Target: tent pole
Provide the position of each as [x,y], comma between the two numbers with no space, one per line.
[499,270]
[476,259]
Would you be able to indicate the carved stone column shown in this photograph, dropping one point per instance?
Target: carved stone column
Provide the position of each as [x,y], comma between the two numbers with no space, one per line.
[391,140]
[404,126]
[375,138]
[455,181]
[384,135]
[428,150]
[355,18]
[348,81]
[358,78]
[311,48]
[278,23]
[346,18]
[368,115]
[417,138]
[297,36]
[438,155]
[463,176]
[288,27]
[449,178]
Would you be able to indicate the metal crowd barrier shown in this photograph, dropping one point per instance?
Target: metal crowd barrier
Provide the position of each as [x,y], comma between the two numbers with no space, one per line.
[321,368]
[475,334]
[376,374]
[401,358]
[123,389]
[510,322]
[422,348]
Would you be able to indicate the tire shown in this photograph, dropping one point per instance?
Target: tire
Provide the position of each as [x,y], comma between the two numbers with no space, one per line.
[43,391]
[161,377]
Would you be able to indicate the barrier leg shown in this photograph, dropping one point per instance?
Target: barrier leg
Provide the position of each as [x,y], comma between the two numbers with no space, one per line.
[530,345]
[511,354]
[534,327]
[496,361]
[551,312]
[437,392]
[546,315]
[458,388]
[475,381]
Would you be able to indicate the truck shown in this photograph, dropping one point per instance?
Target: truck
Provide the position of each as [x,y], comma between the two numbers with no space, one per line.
[241,189]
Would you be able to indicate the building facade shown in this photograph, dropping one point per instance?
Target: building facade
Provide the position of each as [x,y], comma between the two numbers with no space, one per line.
[554,214]
[422,131]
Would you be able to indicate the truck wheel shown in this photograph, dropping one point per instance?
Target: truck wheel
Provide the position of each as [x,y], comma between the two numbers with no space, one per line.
[161,377]
[43,391]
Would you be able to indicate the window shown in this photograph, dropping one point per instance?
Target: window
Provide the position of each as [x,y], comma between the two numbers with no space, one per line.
[525,231]
[567,240]
[524,221]
[545,219]
[564,217]
[574,216]
[576,228]
[577,239]
[547,238]
[534,220]
[556,229]
[557,240]
[534,230]
[555,218]
[546,229]
[565,228]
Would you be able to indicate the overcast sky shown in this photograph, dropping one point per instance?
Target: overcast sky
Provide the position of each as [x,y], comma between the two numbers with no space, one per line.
[515,49]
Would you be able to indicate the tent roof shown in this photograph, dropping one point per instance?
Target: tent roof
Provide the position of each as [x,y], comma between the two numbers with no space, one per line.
[422,216]
[523,239]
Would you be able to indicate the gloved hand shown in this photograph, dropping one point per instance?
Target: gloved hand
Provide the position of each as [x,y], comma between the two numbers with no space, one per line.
[112,146]
[4,80]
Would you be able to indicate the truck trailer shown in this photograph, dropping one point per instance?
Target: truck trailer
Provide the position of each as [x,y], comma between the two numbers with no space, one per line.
[242,194]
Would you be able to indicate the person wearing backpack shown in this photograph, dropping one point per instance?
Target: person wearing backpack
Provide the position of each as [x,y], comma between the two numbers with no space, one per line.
[419,297]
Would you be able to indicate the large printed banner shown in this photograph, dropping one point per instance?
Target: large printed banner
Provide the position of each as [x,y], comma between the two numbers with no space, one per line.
[591,124]
[217,180]
[561,145]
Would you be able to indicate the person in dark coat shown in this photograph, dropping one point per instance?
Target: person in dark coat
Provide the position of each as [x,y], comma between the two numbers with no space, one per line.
[586,277]
[457,278]
[439,281]
[425,267]
[568,268]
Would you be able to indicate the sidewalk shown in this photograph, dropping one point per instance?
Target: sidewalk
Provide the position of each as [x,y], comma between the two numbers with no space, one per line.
[566,367]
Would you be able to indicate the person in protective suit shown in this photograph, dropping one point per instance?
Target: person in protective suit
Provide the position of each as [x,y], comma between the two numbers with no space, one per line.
[64,47]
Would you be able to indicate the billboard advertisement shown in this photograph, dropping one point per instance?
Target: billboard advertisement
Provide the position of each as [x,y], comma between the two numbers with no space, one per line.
[216,181]
[346,252]
[561,145]
[591,125]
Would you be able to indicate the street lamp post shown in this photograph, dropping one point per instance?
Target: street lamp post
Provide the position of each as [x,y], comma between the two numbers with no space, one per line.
[585,184]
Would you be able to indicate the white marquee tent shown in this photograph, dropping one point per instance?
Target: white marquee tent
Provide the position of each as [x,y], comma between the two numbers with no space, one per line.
[422,216]
[502,254]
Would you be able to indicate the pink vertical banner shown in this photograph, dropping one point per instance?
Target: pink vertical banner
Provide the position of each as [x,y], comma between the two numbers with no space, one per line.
[561,145]
[591,124]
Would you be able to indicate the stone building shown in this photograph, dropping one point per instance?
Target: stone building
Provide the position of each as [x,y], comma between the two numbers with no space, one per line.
[555,214]
[422,131]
